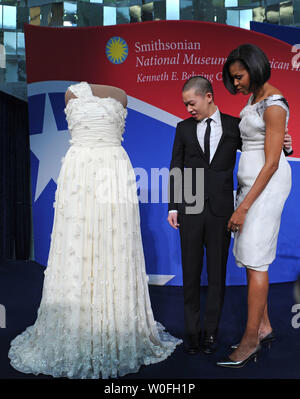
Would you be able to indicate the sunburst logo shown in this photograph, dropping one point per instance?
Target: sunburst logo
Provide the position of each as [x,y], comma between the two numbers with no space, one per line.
[116,50]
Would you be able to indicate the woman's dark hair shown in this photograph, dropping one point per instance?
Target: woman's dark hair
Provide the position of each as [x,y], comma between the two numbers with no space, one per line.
[254,61]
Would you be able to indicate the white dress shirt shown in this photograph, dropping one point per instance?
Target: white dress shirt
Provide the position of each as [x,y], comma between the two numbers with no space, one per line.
[215,133]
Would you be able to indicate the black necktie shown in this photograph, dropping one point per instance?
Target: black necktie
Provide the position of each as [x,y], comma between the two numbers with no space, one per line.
[206,140]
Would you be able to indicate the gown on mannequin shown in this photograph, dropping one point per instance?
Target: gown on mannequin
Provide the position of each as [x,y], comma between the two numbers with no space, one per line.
[95,318]
[255,247]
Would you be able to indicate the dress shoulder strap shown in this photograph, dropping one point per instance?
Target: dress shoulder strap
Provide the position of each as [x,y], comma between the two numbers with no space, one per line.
[275,99]
[82,89]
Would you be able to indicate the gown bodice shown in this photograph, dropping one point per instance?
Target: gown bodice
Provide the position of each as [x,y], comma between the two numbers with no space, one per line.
[95,318]
[252,125]
[94,121]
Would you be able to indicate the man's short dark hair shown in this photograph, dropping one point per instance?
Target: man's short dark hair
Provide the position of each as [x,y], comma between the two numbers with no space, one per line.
[200,84]
[254,60]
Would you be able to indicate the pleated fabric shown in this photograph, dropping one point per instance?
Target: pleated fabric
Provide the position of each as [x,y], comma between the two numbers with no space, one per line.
[95,318]
[255,247]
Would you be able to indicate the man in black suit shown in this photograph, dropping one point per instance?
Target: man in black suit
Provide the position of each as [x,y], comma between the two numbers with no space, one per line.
[208,140]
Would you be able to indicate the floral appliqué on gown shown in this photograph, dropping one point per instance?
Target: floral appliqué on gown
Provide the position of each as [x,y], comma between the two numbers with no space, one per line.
[95,318]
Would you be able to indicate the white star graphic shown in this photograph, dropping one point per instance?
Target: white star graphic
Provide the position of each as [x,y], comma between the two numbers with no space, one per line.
[49,147]
[159,279]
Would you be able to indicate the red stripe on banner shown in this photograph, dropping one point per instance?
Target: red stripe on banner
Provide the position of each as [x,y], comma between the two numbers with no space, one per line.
[161,56]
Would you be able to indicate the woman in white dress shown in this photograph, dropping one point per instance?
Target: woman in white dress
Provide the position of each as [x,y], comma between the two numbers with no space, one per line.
[264,183]
[95,318]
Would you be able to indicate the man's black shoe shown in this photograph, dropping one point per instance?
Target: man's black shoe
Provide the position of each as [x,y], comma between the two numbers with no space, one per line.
[209,344]
[192,344]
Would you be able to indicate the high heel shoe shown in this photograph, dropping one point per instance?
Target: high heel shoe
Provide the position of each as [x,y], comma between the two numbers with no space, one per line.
[267,340]
[241,363]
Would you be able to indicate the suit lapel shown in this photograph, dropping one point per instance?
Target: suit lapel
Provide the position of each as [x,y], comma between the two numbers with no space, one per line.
[224,130]
[195,139]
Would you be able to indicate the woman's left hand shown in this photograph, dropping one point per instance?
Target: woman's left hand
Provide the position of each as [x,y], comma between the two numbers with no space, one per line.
[237,220]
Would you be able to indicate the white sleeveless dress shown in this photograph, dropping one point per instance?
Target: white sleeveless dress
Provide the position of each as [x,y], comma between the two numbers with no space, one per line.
[255,246]
[95,318]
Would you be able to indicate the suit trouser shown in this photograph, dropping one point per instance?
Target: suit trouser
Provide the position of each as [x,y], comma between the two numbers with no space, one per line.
[196,232]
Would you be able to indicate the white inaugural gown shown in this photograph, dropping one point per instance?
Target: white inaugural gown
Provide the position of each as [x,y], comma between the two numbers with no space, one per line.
[95,318]
[256,246]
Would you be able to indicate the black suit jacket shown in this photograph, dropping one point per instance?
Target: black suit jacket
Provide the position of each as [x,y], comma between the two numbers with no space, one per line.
[218,175]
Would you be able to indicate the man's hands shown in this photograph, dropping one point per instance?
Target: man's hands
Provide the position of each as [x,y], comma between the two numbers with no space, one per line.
[173,220]
[287,141]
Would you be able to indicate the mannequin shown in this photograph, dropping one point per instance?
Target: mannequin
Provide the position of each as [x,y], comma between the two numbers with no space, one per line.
[95,318]
[103,91]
